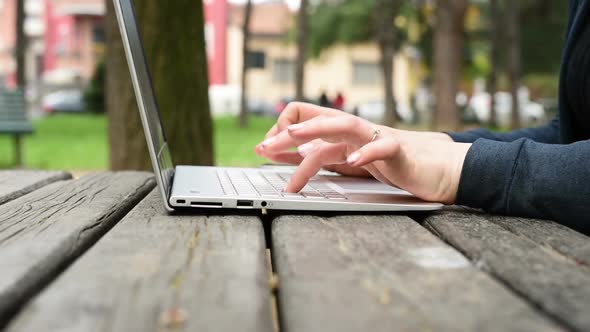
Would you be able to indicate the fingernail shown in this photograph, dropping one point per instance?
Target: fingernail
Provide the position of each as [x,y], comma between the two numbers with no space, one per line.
[296,126]
[353,158]
[305,149]
[269,141]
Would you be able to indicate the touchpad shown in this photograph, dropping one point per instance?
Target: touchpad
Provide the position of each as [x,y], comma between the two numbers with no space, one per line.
[354,185]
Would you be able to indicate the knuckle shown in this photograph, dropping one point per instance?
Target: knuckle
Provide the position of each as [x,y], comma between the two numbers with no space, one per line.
[350,123]
[293,104]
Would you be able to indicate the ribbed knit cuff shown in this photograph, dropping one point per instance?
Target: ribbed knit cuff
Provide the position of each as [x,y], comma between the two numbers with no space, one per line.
[487,174]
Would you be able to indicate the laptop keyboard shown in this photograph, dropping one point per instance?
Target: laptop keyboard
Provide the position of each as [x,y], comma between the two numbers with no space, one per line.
[258,184]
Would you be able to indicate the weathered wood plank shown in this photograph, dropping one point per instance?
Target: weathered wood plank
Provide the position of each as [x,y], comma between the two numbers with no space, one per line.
[209,269]
[554,282]
[386,273]
[14,184]
[554,236]
[43,232]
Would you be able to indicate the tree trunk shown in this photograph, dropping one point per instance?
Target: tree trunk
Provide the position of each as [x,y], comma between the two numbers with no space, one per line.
[495,40]
[448,55]
[174,44]
[514,58]
[243,121]
[301,51]
[21,44]
[387,54]
[385,13]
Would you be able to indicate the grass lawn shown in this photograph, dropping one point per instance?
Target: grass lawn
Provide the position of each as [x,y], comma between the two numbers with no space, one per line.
[79,142]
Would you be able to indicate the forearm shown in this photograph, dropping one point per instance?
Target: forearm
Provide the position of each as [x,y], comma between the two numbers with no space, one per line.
[544,134]
[525,178]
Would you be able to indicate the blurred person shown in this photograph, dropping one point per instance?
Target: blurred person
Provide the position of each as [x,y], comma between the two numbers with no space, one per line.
[339,101]
[541,172]
[324,101]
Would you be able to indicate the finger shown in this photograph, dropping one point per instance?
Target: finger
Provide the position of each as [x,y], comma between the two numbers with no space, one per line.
[293,158]
[296,112]
[344,169]
[345,128]
[272,132]
[382,149]
[313,162]
[284,140]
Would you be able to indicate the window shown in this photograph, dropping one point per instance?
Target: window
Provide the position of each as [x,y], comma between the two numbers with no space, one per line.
[256,59]
[98,33]
[366,73]
[284,71]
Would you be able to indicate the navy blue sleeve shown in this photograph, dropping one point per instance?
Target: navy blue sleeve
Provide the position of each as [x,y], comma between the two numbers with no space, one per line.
[545,134]
[529,179]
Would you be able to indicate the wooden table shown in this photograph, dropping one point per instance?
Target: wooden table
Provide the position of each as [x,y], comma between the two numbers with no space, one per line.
[99,253]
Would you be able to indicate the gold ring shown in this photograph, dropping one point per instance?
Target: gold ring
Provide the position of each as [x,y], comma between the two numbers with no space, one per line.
[376,133]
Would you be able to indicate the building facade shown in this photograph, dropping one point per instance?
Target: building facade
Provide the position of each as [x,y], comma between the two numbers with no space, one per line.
[66,39]
[352,70]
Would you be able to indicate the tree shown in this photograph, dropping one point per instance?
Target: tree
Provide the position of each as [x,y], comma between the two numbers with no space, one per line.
[21,44]
[385,12]
[448,55]
[495,40]
[514,60]
[245,57]
[353,21]
[301,50]
[174,44]
[94,92]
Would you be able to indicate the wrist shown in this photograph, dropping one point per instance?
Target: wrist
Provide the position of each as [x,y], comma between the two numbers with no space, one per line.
[454,171]
[440,136]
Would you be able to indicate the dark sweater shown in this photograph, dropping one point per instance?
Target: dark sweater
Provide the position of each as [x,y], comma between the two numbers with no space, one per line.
[540,172]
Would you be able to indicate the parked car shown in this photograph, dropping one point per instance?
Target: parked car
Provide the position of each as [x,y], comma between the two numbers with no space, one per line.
[64,101]
[260,107]
[530,113]
[224,99]
[374,111]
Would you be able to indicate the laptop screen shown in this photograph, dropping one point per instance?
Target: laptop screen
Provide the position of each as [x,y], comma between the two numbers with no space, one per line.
[146,99]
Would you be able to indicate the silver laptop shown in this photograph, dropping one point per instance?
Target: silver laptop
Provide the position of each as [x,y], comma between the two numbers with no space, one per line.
[243,188]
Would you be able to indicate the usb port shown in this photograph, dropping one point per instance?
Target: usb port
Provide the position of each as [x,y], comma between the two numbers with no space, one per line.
[245,203]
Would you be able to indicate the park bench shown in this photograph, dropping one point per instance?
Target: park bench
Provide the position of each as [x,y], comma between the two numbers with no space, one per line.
[100,253]
[13,119]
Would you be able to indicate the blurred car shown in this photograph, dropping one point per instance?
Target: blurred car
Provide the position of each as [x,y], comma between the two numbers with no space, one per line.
[64,101]
[530,113]
[260,107]
[224,99]
[374,111]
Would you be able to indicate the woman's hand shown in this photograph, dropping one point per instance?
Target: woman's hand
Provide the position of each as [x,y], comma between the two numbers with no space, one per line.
[427,165]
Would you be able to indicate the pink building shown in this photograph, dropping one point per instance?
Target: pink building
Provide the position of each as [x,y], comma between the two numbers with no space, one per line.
[72,40]
[7,39]
[216,17]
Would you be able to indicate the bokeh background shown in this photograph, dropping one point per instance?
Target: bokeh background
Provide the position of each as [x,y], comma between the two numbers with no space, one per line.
[224,70]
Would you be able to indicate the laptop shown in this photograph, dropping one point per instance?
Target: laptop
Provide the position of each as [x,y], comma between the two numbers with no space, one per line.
[242,188]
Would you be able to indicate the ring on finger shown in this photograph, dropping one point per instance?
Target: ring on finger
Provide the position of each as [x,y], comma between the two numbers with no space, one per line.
[376,133]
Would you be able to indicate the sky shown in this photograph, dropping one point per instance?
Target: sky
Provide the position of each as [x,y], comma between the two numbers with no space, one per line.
[293,4]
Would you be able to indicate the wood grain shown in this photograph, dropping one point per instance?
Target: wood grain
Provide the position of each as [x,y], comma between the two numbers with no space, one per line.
[386,273]
[14,184]
[550,234]
[43,232]
[158,272]
[527,263]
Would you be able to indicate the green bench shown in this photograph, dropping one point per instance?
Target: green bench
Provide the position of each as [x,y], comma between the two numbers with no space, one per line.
[13,119]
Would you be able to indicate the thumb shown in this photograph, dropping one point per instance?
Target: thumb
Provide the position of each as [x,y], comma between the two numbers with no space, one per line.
[382,149]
